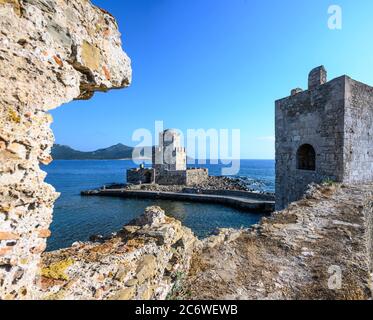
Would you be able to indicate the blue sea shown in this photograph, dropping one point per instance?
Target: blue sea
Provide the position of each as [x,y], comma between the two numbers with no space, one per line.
[76,218]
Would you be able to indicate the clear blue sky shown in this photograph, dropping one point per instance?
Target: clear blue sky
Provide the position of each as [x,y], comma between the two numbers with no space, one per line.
[218,64]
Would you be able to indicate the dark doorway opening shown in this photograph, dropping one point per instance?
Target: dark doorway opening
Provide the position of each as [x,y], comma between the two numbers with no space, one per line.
[306,158]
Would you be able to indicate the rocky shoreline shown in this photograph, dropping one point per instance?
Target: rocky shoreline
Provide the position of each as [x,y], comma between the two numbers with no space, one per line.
[212,183]
[141,261]
[289,255]
[226,191]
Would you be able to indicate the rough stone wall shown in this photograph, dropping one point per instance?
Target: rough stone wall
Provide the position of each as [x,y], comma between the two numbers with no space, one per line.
[317,77]
[358,146]
[167,178]
[336,118]
[51,52]
[312,117]
[368,212]
[196,176]
[140,176]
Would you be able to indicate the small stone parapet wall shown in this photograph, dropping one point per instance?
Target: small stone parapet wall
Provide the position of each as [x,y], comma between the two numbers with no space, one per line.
[143,261]
[140,176]
[169,178]
[181,177]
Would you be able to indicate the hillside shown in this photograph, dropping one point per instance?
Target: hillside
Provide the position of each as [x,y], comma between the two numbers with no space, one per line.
[118,151]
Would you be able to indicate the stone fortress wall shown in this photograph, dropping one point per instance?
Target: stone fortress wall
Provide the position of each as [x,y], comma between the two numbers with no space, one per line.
[368,214]
[169,178]
[358,132]
[186,177]
[335,120]
[140,176]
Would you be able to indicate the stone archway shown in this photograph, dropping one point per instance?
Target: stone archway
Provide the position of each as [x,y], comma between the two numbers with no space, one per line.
[49,55]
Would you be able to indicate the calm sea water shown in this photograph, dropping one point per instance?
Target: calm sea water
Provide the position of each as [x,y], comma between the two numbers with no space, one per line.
[76,218]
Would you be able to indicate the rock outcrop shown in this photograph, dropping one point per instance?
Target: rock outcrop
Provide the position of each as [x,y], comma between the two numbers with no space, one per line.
[142,261]
[318,248]
[51,52]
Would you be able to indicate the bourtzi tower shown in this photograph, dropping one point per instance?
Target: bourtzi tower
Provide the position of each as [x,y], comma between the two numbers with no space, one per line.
[325,132]
[169,167]
[170,155]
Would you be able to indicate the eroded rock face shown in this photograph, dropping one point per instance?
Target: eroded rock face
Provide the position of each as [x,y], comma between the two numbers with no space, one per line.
[51,52]
[143,261]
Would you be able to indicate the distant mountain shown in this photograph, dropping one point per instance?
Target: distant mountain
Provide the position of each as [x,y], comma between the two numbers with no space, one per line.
[119,151]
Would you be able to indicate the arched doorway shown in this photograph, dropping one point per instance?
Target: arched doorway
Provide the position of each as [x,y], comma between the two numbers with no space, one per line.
[306,158]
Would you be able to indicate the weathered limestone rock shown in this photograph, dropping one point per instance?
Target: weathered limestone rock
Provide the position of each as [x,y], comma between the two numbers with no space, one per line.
[152,216]
[51,52]
[298,253]
[134,264]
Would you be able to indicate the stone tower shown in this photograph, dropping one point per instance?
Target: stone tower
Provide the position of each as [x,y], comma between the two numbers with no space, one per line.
[325,132]
[170,155]
[169,165]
